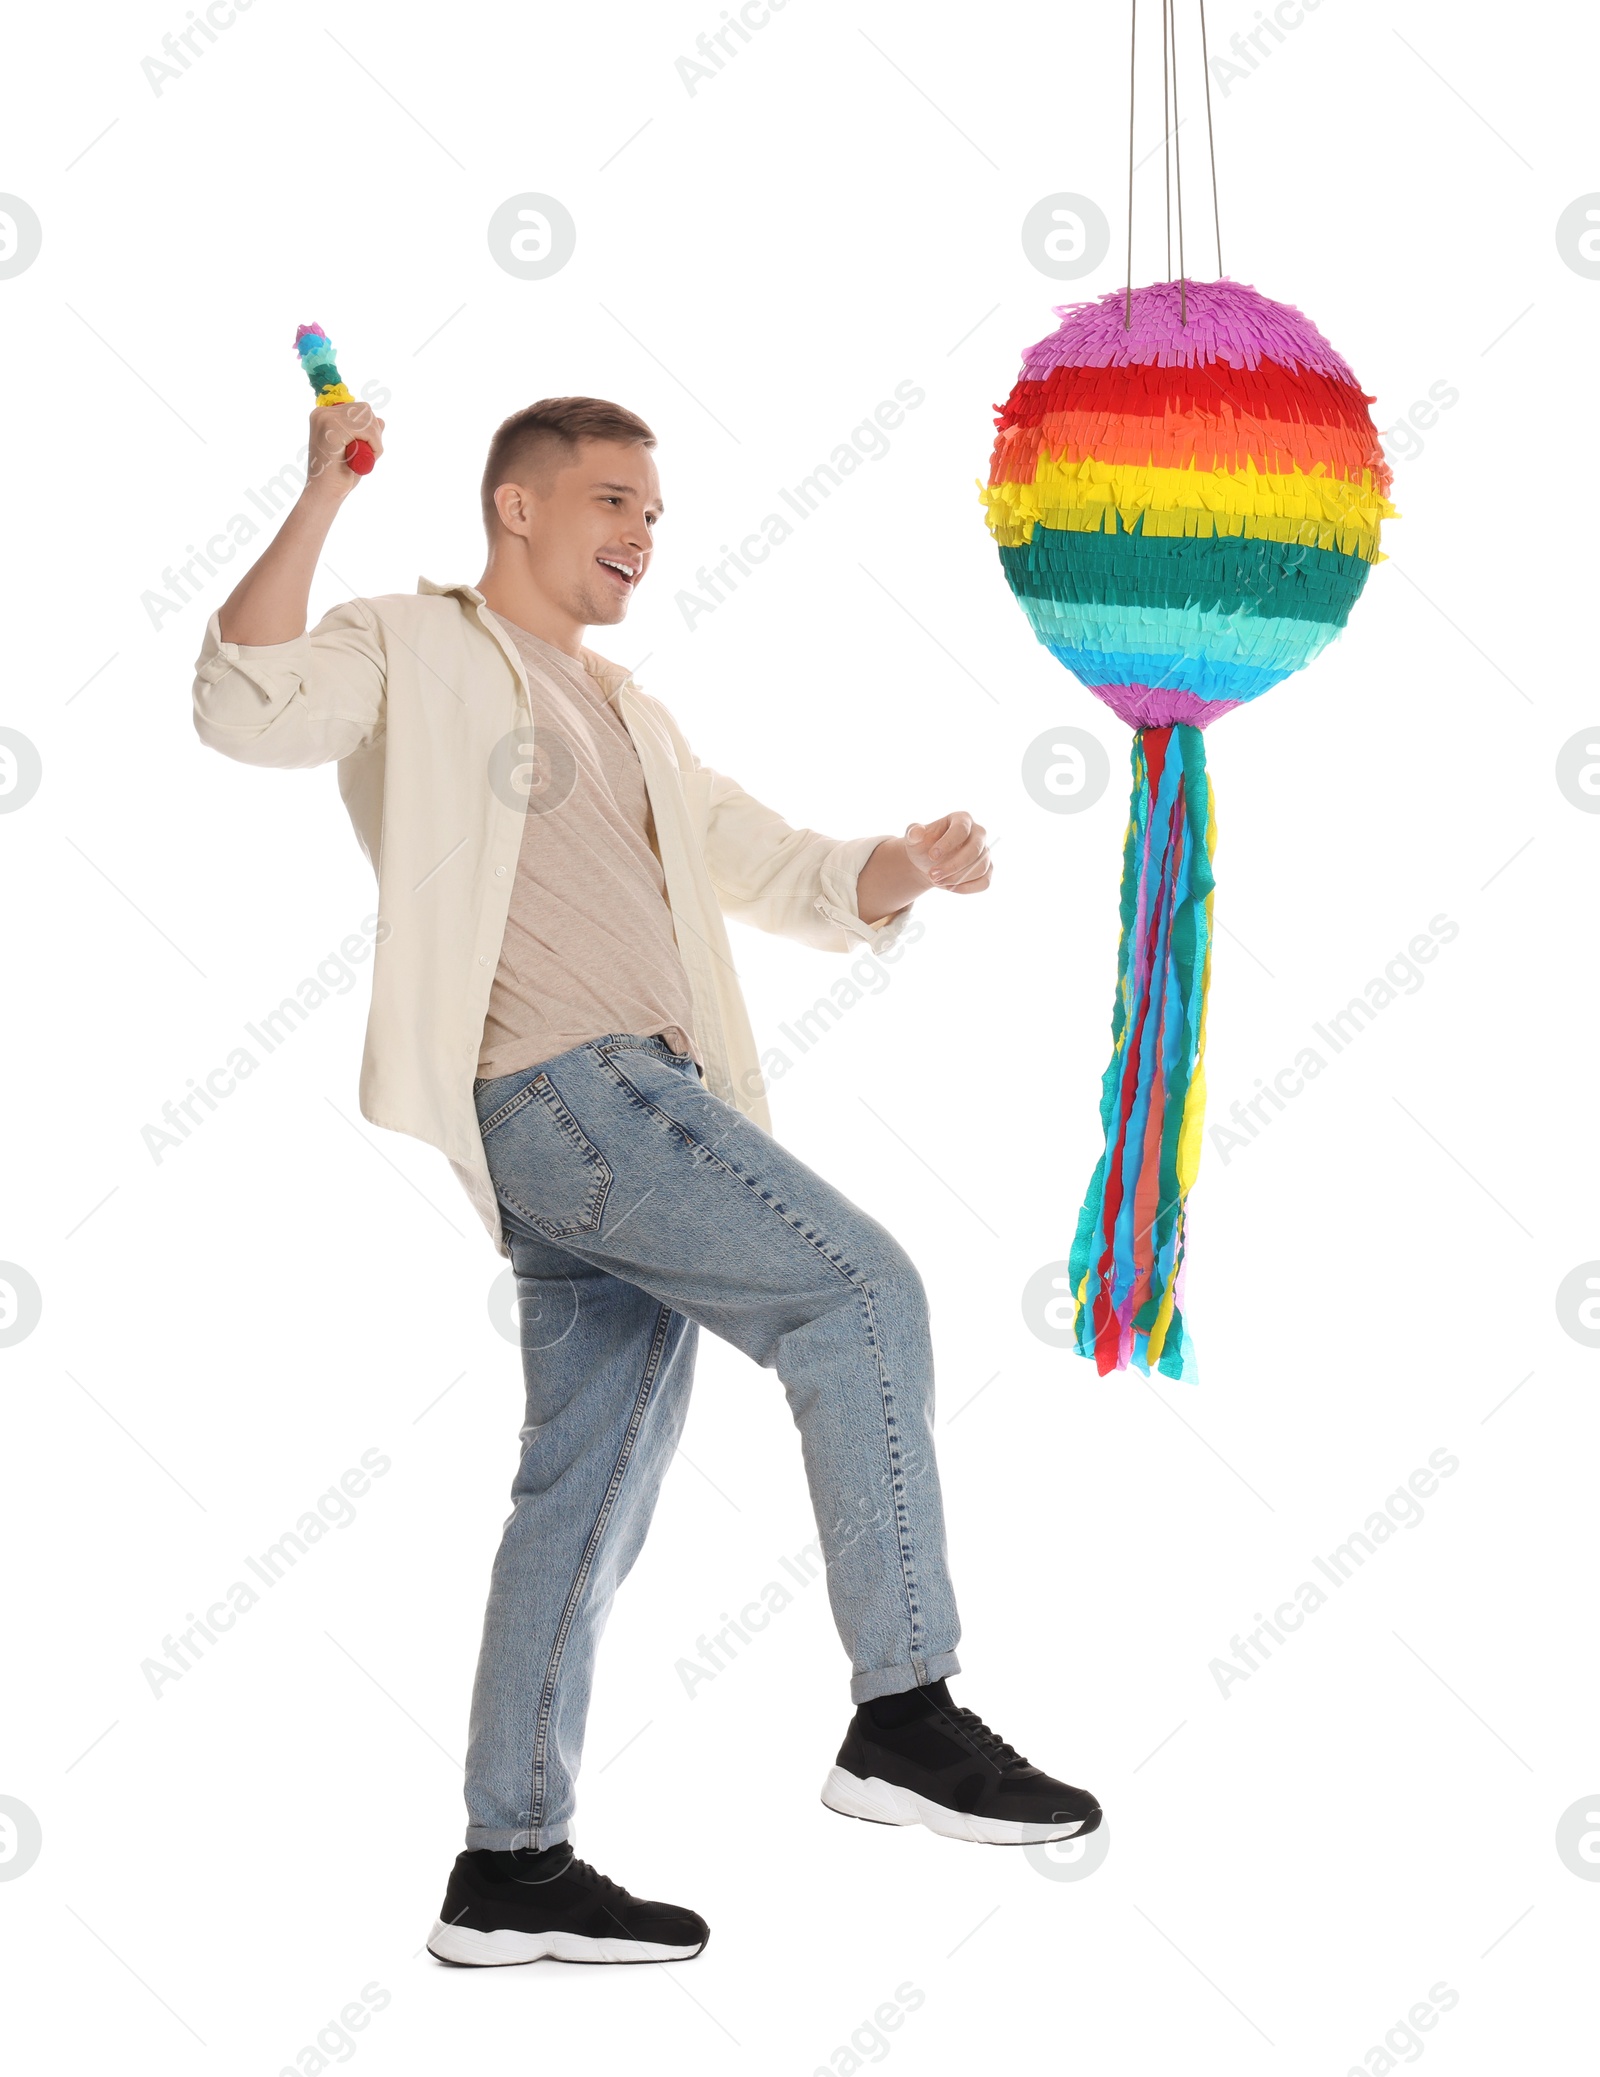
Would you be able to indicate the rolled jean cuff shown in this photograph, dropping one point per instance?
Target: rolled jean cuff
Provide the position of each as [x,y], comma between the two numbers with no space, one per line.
[503,1839]
[895,1680]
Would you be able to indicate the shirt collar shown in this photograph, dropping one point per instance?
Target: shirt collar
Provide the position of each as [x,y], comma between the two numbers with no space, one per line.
[611,675]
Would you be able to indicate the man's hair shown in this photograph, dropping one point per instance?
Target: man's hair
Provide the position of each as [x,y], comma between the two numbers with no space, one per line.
[545,435]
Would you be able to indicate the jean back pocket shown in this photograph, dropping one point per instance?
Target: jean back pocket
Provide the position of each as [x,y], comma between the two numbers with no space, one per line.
[543,1164]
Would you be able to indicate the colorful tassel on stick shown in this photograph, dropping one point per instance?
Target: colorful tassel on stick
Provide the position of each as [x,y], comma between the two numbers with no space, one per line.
[315,349]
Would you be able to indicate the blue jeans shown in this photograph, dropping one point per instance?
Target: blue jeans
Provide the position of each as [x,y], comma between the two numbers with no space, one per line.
[639,1208]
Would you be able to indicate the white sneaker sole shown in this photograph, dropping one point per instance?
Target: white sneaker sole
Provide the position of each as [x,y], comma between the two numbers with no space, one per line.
[505,1949]
[881,1803]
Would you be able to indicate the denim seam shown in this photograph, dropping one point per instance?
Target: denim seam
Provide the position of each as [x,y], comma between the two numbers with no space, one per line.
[705,1147]
[567,1125]
[891,1429]
[863,1288]
[512,1104]
[586,1563]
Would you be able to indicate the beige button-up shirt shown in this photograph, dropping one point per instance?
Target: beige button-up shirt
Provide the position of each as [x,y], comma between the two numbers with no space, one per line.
[420,698]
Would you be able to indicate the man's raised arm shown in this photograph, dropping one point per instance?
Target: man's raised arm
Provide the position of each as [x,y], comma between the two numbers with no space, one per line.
[265,691]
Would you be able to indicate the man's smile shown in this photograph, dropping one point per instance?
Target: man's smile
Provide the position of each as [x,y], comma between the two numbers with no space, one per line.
[622,572]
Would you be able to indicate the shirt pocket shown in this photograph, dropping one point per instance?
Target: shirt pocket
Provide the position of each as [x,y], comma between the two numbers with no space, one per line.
[543,1165]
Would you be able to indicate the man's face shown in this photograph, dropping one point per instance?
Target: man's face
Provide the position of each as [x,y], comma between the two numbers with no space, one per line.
[589,529]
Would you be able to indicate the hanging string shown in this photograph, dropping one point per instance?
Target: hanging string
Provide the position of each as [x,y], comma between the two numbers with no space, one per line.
[1205,61]
[1133,46]
[1166,131]
[1177,152]
[1172,148]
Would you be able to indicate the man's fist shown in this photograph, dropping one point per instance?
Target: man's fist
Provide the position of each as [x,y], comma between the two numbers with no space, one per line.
[948,853]
[333,427]
[951,851]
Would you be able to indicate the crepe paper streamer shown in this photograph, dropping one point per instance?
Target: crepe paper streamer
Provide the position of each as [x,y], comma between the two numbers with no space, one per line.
[315,349]
[1186,492]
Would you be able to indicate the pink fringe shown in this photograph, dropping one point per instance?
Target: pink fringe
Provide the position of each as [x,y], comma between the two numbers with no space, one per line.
[1161,706]
[1228,321]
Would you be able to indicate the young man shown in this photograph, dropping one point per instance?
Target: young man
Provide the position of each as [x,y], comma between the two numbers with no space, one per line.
[555,1006]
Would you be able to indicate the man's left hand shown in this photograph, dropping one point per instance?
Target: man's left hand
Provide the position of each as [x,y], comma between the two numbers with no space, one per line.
[951,852]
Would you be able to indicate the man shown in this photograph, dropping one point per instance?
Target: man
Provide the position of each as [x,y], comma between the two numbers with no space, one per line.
[555,1006]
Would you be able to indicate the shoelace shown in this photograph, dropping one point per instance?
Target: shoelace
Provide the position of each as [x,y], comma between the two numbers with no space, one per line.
[595,1879]
[610,1894]
[582,1870]
[990,1742]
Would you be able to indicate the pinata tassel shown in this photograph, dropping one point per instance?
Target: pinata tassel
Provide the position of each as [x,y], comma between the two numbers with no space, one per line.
[1127,1256]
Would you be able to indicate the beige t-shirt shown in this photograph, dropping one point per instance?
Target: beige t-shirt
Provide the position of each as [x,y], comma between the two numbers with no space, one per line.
[589,946]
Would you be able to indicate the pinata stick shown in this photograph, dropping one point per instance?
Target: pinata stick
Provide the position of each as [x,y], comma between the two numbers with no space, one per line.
[315,349]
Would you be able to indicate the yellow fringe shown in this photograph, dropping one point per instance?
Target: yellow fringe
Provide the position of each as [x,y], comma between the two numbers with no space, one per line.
[1313,509]
[335,393]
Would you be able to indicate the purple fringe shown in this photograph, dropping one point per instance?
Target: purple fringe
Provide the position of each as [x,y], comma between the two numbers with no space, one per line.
[1228,321]
[1160,706]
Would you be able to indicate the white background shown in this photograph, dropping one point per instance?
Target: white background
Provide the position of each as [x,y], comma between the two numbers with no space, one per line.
[1372,1813]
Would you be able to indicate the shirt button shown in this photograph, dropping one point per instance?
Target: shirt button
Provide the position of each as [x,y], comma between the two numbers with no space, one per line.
[499,872]
[483,962]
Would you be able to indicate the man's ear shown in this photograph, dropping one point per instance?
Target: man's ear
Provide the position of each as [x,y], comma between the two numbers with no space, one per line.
[515,507]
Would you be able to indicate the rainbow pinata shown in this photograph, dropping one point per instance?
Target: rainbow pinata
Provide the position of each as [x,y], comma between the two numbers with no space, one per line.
[1186,491]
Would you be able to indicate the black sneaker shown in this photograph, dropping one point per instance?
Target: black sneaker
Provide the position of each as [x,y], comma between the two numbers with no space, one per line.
[501,1908]
[919,1759]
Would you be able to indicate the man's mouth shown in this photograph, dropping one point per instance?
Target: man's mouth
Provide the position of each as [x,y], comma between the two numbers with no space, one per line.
[624,574]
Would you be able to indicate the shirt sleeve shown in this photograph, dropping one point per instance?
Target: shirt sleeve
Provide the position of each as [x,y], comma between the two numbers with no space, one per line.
[307,701]
[795,882]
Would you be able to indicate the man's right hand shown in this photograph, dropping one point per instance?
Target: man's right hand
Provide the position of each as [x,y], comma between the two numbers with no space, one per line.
[268,604]
[333,427]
